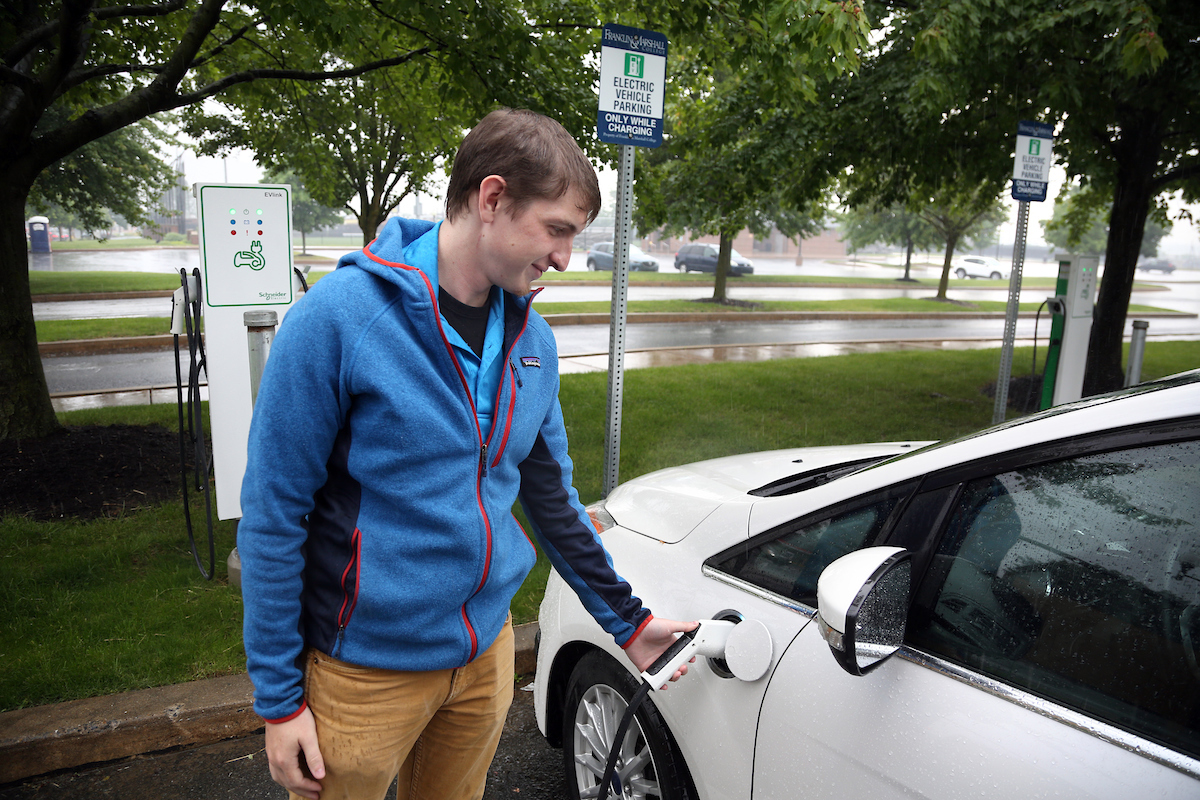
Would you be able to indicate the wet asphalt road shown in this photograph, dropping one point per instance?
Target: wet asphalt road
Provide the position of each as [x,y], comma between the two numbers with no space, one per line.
[525,768]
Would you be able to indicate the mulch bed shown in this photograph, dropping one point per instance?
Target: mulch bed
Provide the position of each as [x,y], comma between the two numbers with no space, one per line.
[89,472]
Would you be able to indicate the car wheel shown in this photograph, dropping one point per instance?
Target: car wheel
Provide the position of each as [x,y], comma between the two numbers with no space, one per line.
[996,276]
[960,273]
[591,264]
[648,767]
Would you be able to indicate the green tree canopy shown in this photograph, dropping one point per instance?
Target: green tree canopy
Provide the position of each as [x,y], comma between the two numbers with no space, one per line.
[731,140]
[121,173]
[940,93]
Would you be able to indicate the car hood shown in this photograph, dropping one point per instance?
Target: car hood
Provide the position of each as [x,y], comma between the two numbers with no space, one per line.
[668,504]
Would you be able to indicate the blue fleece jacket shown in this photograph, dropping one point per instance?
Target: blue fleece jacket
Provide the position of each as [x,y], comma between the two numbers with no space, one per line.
[377,522]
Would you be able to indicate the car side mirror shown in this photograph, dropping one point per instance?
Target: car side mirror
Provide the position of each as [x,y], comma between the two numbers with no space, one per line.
[862,605]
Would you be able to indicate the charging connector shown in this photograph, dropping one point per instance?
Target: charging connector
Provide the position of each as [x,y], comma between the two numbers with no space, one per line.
[706,639]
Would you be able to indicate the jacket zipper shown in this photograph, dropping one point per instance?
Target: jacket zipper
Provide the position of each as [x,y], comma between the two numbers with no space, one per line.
[483,449]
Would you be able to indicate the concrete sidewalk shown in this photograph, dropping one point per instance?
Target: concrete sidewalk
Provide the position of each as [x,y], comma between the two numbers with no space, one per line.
[41,739]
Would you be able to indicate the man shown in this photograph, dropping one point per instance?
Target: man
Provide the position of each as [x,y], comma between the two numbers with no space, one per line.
[409,399]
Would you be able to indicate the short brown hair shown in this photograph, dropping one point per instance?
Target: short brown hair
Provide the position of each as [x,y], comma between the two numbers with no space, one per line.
[534,154]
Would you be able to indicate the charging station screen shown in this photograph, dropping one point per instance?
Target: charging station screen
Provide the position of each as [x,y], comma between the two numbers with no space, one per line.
[246,244]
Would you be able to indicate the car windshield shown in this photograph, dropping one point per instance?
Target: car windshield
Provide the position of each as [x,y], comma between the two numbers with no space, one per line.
[734,254]
[636,252]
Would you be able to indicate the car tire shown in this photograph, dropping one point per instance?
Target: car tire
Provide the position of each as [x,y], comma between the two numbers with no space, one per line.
[995,276]
[591,264]
[597,696]
[960,273]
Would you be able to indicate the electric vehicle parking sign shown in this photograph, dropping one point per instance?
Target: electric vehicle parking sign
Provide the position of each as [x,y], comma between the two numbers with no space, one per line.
[633,76]
[1031,167]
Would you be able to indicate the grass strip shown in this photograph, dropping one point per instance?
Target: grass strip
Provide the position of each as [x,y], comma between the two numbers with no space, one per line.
[86,282]
[112,605]
[883,305]
[91,282]
[60,330]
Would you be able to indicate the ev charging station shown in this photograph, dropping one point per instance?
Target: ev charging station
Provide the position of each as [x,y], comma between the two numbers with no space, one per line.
[245,264]
[1071,329]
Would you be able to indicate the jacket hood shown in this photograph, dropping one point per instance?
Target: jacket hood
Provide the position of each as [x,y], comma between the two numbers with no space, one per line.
[385,253]
[384,257]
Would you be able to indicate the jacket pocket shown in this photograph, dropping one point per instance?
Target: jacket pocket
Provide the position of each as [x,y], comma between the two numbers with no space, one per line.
[349,588]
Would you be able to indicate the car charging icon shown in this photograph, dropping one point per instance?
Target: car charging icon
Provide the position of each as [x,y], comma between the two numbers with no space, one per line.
[251,258]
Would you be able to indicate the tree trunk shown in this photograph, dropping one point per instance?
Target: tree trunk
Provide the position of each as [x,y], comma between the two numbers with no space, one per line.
[724,255]
[25,408]
[944,283]
[1137,159]
[908,248]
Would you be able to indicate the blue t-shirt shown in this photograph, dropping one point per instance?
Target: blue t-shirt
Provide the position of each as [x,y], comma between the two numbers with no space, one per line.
[483,373]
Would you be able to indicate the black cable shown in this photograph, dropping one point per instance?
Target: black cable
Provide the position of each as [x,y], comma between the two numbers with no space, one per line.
[1033,367]
[610,766]
[195,424]
[300,275]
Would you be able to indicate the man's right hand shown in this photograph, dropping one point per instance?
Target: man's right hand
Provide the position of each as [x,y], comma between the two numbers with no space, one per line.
[294,756]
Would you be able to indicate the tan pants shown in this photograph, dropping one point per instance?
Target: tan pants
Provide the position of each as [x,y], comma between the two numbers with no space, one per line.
[437,730]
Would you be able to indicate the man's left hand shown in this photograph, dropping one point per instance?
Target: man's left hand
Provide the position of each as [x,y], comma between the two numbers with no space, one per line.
[655,638]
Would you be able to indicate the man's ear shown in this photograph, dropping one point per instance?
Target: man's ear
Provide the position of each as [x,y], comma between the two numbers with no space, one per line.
[491,197]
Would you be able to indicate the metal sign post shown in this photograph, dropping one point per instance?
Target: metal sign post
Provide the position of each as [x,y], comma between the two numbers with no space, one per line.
[619,310]
[1031,176]
[633,67]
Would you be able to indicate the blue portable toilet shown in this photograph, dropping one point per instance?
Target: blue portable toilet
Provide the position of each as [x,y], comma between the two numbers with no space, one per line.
[39,235]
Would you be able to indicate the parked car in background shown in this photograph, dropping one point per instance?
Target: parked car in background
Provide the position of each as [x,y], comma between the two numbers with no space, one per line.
[702,257]
[1157,264]
[1024,603]
[980,267]
[601,257]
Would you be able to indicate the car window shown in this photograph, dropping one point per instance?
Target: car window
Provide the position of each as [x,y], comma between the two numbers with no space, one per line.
[1079,581]
[789,560]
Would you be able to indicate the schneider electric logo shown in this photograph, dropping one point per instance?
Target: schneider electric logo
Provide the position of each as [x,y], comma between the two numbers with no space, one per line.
[272,295]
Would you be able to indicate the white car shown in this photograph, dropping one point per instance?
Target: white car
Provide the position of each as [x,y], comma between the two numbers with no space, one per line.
[980,267]
[1049,645]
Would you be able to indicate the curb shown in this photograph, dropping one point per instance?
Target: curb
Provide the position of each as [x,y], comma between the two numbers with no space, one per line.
[41,739]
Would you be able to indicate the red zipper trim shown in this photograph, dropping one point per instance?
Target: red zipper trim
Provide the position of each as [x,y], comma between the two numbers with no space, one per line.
[512,402]
[350,601]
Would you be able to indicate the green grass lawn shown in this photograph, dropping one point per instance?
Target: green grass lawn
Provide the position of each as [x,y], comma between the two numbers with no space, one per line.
[110,605]
[60,330]
[41,282]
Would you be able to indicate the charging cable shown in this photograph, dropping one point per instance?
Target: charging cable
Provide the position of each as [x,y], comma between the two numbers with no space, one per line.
[185,319]
[707,639]
[1056,306]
